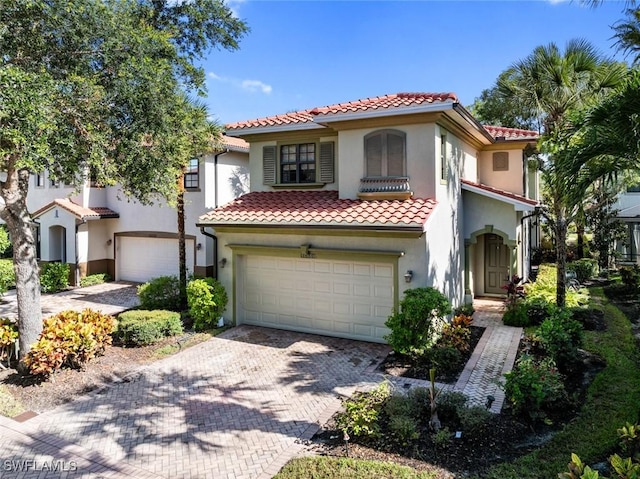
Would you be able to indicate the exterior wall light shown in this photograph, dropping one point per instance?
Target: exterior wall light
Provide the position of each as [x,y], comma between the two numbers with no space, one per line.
[199,246]
[408,276]
[223,261]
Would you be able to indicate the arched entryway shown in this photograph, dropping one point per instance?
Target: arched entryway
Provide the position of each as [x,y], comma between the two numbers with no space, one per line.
[490,259]
[57,244]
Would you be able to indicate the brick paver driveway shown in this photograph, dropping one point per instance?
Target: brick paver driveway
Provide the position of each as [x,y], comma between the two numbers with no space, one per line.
[233,407]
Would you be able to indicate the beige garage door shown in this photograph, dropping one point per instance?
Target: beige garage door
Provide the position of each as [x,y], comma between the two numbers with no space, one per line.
[142,258]
[347,299]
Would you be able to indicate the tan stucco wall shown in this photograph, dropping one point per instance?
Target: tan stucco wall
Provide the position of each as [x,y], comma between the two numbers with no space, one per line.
[510,180]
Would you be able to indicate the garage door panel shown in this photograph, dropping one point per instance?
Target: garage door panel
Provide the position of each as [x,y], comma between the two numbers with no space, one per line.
[341,298]
[140,258]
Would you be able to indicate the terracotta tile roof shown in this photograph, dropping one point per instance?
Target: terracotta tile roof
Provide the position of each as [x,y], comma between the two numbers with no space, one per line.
[497,191]
[386,102]
[511,133]
[235,144]
[91,213]
[319,208]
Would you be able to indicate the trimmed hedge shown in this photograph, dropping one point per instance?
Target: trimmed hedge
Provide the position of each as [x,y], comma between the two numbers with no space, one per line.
[162,292]
[54,277]
[142,327]
[94,279]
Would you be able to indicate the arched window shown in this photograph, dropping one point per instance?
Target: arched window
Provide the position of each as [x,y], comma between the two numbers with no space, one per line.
[384,152]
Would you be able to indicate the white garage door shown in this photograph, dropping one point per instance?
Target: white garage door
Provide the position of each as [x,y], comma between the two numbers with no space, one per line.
[141,258]
[337,298]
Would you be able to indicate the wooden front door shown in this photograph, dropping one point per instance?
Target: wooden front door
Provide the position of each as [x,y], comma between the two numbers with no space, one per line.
[496,264]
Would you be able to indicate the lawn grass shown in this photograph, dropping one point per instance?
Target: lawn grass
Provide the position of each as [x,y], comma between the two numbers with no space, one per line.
[613,399]
[9,406]
[345,468]
[172,348]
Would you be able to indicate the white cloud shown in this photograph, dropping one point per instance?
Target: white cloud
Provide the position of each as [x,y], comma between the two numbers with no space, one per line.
[252,86]
[256,85]
[556,2]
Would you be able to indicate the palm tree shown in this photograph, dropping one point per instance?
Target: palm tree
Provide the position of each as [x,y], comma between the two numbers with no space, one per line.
[552,84]
[628,34]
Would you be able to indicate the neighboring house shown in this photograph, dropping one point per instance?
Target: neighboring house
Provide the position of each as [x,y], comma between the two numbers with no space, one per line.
[628,206]
[99,230]
[351,204]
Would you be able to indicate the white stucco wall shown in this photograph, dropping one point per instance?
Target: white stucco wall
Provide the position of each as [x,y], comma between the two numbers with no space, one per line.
[50,245]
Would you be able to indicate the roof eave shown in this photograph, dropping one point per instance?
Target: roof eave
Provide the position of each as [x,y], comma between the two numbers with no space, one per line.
[323,118]
[255,130]
[518,205]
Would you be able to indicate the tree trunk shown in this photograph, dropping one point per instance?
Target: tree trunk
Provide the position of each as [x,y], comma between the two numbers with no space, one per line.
[561,259]
[21,228]
[580,246]
[182,254]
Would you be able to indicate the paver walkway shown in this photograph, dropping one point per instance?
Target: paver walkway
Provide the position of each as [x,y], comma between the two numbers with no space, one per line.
[237,406]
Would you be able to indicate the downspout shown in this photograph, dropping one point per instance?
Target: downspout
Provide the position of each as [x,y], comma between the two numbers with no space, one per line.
[215,250]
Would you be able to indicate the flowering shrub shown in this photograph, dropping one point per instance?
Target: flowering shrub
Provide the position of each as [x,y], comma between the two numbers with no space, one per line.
[70,339]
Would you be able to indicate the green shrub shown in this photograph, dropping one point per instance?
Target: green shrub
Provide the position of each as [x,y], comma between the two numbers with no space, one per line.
[94,279]
[403,429]
[400,405]
[533,387]
[141,327]
[450,403]
[584,269]
[537,311]
[516,315]
[362,412]
[7,275]
[630,276]
[560,336]
[474,419]
[444,359]
[207,301]
[416,326]
[162,292]
[544,288]
[466,309]
[6,247]
[54,277]
[70,339]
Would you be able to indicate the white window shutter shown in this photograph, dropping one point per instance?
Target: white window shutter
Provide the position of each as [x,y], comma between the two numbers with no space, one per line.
[269,167]
[327,160]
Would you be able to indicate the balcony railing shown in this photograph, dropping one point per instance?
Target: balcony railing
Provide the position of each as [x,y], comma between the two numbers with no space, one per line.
[385,186]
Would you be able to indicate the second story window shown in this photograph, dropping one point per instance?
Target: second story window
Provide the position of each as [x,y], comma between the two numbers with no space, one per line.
[39,179]
[192,174]
[385,153]
[298,163]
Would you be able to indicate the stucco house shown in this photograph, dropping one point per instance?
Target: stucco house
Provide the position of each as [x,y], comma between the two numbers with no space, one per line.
[628,211]
[98,230]
[353,203]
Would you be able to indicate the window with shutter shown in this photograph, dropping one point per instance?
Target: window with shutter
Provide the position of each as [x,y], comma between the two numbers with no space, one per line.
[385,153]
[269,165]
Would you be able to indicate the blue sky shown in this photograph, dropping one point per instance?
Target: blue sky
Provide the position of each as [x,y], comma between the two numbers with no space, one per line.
[303,54]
